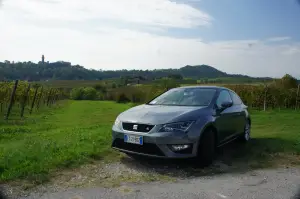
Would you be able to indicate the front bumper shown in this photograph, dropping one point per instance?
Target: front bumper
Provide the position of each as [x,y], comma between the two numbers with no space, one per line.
[155,144]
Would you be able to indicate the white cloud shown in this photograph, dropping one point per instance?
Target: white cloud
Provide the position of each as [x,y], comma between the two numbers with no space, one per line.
[147,12]
[277,39]
[101,46]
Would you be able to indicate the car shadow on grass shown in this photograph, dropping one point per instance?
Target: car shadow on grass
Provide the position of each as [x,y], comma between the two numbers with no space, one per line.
[236,157]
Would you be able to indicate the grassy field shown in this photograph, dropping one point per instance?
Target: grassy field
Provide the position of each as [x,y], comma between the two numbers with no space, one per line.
[61,137]
[80,131]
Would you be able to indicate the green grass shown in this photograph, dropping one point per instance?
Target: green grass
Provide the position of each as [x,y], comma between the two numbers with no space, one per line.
[57,138]
[275,142]
[276,138]
[80,131]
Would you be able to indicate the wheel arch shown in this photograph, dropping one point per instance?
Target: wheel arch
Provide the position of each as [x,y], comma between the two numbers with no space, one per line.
[210,126]
[249,119]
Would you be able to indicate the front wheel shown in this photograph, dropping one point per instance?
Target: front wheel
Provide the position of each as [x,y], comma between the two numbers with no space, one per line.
[206,148]
[246,136]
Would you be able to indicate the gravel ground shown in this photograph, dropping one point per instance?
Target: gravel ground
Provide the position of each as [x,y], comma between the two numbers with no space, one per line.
[229,177]
[163,179]
[260,184]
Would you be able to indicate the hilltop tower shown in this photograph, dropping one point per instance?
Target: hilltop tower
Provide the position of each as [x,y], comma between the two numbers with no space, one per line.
[43,59]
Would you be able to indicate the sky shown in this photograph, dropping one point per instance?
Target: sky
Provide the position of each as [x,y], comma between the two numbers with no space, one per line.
[251,37]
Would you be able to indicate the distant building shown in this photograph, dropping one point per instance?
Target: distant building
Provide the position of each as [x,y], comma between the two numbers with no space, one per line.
[43,59]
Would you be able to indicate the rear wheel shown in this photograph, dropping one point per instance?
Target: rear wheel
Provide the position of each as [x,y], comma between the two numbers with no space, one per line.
[206,148]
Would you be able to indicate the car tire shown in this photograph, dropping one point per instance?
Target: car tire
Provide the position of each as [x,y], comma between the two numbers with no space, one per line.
[246,136]
[206,149]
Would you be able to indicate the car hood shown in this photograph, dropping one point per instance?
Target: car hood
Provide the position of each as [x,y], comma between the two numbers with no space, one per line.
[158,114]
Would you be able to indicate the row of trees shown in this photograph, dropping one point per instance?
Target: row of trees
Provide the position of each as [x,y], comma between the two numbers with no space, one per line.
[66,71]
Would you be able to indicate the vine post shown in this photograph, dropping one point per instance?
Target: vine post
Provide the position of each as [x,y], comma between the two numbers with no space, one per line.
[265,97]
[296,106]
[25,100]
[34,98]
[11,101]
[40,98]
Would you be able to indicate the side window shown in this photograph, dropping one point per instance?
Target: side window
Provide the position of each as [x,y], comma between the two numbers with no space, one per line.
[236,99]
[224,96]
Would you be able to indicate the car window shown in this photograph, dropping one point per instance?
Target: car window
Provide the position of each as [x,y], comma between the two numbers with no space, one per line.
[185,97]
[235,98]
[224,96]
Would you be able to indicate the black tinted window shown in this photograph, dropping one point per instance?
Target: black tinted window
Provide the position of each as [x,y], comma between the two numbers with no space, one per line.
[236,99]
[224,96]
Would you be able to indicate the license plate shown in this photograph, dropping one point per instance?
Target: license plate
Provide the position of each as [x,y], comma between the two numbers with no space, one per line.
[133,139]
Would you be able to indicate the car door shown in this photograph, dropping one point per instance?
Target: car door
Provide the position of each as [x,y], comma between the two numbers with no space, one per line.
[225,119]
[239,111]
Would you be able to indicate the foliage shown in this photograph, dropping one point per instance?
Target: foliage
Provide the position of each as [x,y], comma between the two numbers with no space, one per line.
[66,71]
[252,95]
[287,82]
[122,98]
[275,97]
[44,96]
[167,83]
[88,93]
[77,93]
[175,76]
[101,88]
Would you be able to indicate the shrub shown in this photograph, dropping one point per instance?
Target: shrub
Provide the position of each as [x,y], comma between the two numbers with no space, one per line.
[77,93]
[90,93]
[100,87]
[81,93]
[122,98]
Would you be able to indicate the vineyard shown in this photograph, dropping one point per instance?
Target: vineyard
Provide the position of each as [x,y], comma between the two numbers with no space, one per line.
[19,98]
[259,97]
[262,97]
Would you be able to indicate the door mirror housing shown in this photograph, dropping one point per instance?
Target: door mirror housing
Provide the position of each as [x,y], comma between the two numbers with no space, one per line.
[226,105]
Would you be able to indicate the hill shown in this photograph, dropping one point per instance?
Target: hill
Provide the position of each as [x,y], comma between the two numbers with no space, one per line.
[66,71]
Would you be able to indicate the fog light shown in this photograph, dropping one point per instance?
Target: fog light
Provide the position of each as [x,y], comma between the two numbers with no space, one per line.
[180,147]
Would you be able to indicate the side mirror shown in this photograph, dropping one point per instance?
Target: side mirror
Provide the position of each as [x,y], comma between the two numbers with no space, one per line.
[225,105]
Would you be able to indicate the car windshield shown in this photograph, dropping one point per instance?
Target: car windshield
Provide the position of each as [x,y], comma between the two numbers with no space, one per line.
[185,97]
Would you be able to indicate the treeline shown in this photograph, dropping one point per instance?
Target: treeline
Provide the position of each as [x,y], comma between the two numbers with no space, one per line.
[281,93]
[61,70]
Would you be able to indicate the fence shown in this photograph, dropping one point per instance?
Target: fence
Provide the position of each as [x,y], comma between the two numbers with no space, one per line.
[23,97]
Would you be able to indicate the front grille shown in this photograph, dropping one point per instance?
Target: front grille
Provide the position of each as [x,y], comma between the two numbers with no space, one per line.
[137,127]
[146,148]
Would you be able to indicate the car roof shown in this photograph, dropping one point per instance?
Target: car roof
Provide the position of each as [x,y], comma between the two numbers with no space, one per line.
[213,87]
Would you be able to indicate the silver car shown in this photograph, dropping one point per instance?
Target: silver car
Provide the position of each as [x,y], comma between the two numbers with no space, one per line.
[183,122]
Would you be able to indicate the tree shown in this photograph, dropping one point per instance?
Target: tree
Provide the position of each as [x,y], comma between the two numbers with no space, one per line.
[287,82]
[175,76]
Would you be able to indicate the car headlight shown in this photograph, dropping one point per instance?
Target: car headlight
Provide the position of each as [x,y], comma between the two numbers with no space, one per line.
[118,123]
[178,126]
